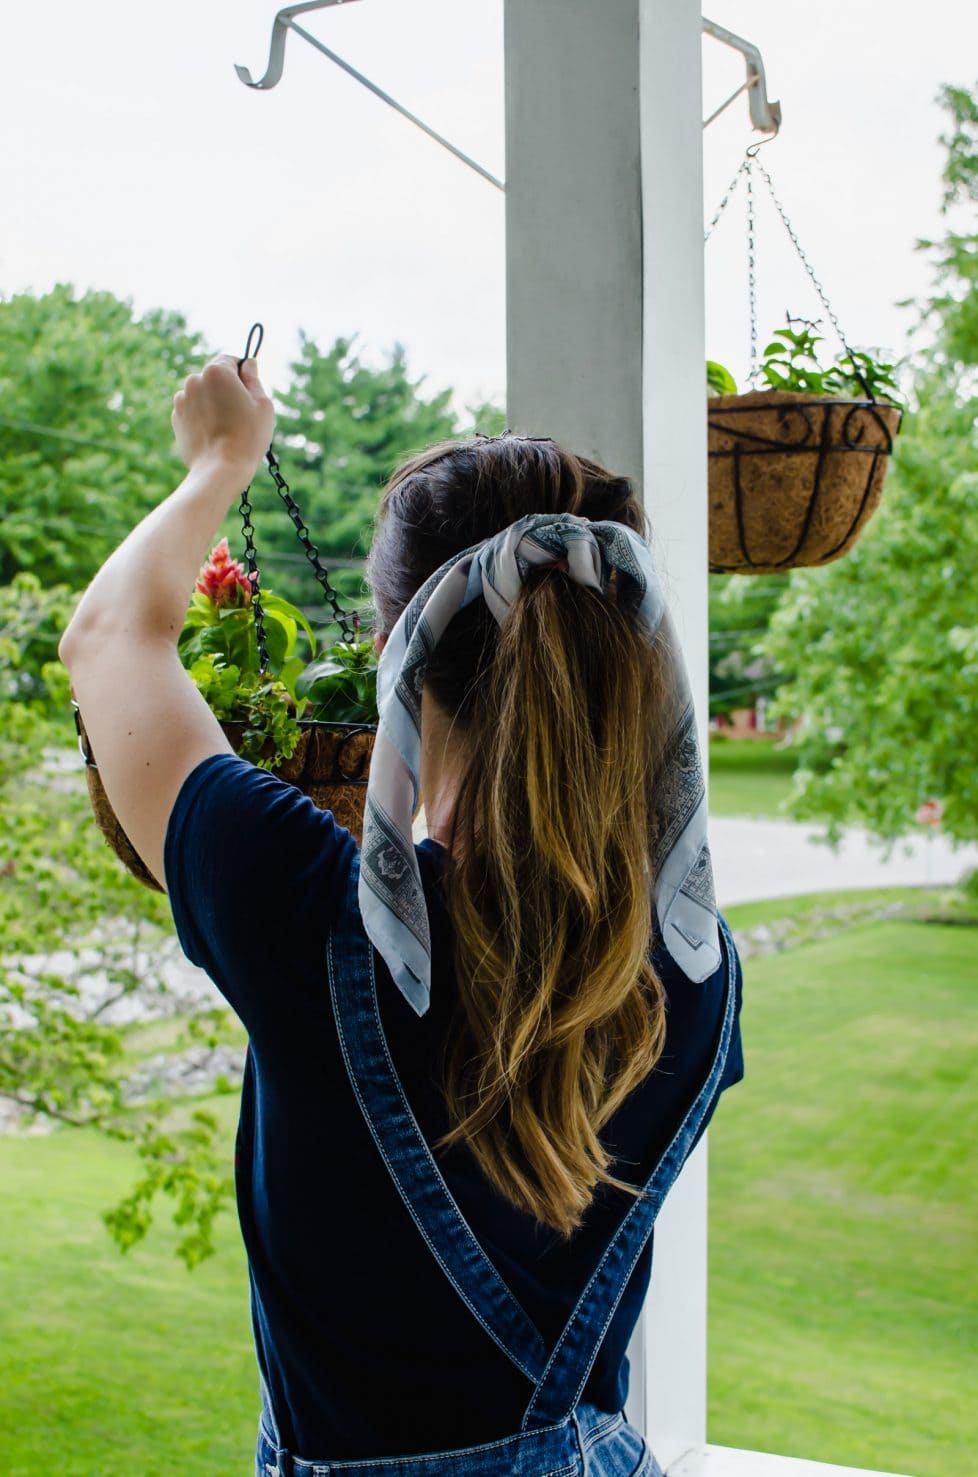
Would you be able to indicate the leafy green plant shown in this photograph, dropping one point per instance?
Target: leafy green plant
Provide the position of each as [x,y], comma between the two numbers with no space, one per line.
[719,381]
[219,648]
[264,705]
[790,362]
[342,686]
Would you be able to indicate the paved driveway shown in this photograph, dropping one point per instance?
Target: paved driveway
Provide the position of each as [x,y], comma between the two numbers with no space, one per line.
[756,859]
[753,860]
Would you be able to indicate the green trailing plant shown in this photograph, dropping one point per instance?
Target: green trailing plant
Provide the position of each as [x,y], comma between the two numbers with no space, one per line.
[265,706]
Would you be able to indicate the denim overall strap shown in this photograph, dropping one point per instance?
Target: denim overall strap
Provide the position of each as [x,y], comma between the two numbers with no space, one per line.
[568,1367]
[409,1161]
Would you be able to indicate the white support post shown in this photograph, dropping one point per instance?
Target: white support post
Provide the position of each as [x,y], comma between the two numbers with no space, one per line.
[574,226]
[605,351]
[670,1393]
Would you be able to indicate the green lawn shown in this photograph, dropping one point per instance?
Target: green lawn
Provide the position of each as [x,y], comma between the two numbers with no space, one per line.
[842,909]
[843,1206]
[114,1366]
[842,1279]
[749,777]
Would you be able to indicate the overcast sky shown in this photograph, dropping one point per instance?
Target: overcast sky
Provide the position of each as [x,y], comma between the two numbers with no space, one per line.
[137,162]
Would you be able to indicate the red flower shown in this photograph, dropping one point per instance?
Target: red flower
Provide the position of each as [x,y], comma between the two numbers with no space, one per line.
[223,580]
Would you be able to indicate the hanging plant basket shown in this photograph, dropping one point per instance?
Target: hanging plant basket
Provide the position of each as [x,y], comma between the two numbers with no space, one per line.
[227,639]
[330,764]
[796,470]
[793,478]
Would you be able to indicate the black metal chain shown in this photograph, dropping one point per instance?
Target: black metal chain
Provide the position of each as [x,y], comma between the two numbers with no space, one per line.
[349,627]
[248,529]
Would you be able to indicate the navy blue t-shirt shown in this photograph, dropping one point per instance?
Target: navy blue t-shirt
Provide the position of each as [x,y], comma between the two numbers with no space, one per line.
[364,1345]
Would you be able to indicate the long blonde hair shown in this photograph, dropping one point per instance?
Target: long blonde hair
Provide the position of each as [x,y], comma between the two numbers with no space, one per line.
[560,1014]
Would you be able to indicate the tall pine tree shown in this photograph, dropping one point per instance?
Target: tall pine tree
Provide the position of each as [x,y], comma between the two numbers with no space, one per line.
[342,428]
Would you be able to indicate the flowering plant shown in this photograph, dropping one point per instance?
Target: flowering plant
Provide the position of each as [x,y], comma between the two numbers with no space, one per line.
[219,648]
[223,580]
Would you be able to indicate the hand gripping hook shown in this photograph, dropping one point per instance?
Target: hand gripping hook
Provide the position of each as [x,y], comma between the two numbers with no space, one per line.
[252,353]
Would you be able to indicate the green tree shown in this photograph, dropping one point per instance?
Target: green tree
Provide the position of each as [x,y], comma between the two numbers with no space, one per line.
[86,447]
[884,643]
[342,428]
[80,938]
[32,619]
[741,607]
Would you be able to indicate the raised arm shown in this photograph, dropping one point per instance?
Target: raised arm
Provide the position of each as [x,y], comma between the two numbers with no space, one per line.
[147,723]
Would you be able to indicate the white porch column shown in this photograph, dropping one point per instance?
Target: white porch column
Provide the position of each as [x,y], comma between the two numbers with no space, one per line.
[672,1397]
[605,353]
[574,226]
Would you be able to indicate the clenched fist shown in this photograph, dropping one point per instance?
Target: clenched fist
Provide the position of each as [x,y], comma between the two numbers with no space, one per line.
[224,416]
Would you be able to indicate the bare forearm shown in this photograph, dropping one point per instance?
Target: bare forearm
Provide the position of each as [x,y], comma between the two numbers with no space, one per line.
[222,420]
[142,589]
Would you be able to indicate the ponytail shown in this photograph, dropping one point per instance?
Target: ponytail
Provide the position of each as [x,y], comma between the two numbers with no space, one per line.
[560,1012]
[559,717]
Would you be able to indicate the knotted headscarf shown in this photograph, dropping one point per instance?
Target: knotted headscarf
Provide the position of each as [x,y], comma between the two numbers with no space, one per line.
[392,900]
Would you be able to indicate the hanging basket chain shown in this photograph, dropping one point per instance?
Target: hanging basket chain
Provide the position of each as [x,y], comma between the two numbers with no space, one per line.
[744,165]
[248,529]
[814,280]
[746,168]
[751,273]
[350,628]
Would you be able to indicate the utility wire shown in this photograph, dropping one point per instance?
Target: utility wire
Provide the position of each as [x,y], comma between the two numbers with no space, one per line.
[135,452]
[273,556]
[15,425]
[762,687]
[722,635]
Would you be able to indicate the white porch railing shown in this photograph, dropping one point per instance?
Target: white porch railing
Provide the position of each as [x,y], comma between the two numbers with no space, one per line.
[725,1461]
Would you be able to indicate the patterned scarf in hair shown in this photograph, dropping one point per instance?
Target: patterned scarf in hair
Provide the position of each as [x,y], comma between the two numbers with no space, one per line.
[391,896]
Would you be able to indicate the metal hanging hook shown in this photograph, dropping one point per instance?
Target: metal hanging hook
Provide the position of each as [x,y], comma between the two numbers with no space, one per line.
[285,21]
[752,149]
[252,353]
[765,115]
[276,51]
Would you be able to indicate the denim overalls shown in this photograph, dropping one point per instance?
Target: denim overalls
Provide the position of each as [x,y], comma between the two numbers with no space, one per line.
[558,1436]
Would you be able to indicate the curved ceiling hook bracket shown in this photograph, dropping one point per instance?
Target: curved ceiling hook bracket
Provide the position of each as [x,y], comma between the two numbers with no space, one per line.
[765,115]
[285,21]
[276,51]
